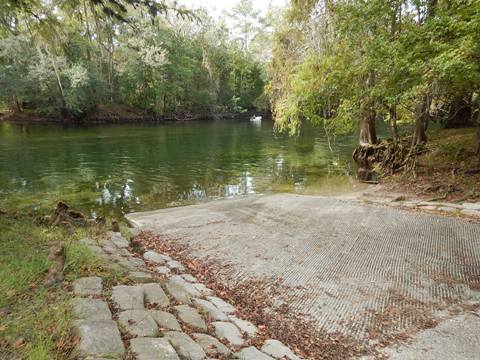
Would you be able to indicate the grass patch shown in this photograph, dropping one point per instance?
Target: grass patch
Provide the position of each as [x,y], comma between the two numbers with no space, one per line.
[35,320]
[80,261]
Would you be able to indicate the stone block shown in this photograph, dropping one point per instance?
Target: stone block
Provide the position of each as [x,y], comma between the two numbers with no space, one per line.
[154,294]
[156,258]
[88,286]
[244,326]
[118,240]
[185,346]
[138,322]
[175,265]
[191,317]
[99,338]
[128,297]
[221,304]
[229,332]
[252,353]
[91,309]
[210,345]
[189,278]
[277,350]
[468,212]
[471,206]
[163,270]
[165,320]
[210,310]
[181,290]
[203,289]
[153,349]
[140,277]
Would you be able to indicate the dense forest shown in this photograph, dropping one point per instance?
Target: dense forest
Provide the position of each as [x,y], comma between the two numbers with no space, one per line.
[348,64]
[72,57]
[343,65]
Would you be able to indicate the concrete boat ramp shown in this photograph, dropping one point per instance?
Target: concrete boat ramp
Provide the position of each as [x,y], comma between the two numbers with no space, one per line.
[353,267]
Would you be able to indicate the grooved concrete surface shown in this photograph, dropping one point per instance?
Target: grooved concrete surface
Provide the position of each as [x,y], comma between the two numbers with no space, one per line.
[354,268]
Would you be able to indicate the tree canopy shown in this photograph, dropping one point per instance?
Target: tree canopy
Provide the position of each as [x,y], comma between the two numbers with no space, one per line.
[71,56]
[347,64]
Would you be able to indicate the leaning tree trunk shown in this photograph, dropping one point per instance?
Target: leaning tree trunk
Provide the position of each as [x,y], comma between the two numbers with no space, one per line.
[421,121]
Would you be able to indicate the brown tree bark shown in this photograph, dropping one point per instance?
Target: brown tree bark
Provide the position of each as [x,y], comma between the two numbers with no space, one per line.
[368,133]
[421,121]
[110,49]
[17,108]
[393,121]
[368,137]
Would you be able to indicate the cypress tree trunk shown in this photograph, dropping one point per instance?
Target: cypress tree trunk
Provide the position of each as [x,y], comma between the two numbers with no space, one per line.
[17,108]
[476,120]
[393,121]
[368,133]
[421,121]
[368,137]
[89,35]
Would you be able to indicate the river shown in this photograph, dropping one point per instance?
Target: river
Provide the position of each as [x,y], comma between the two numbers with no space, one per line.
[115,169]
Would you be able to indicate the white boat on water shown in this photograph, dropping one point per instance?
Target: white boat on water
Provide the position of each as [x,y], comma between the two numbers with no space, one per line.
[255,118]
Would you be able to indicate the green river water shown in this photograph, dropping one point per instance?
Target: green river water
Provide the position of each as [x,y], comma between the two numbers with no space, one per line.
[115,169]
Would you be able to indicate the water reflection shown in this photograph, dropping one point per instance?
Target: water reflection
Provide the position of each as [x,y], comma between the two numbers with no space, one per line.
[118,169]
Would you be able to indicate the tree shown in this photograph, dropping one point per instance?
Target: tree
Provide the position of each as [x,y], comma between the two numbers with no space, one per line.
[246,21]
[69,57]
[344,63]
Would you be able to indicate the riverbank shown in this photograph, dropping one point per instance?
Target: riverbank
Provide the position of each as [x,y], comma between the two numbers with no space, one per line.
[448,170]
[37,319]
[112,298]
[38,316]
[38,265]
[120,115]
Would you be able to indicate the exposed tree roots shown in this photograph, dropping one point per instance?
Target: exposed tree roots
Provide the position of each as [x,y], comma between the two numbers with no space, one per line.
[389,157]
[64,215]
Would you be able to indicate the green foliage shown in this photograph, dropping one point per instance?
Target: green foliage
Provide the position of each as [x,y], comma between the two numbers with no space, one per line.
[64,58]
[372,55]
[84,88]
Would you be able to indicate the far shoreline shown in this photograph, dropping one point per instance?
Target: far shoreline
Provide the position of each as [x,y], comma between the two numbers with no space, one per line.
[102,117]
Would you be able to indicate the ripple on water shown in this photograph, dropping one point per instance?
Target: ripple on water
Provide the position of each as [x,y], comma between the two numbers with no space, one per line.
[116,169]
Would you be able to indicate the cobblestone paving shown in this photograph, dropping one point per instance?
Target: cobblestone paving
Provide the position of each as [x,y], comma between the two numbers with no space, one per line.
[163,315]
